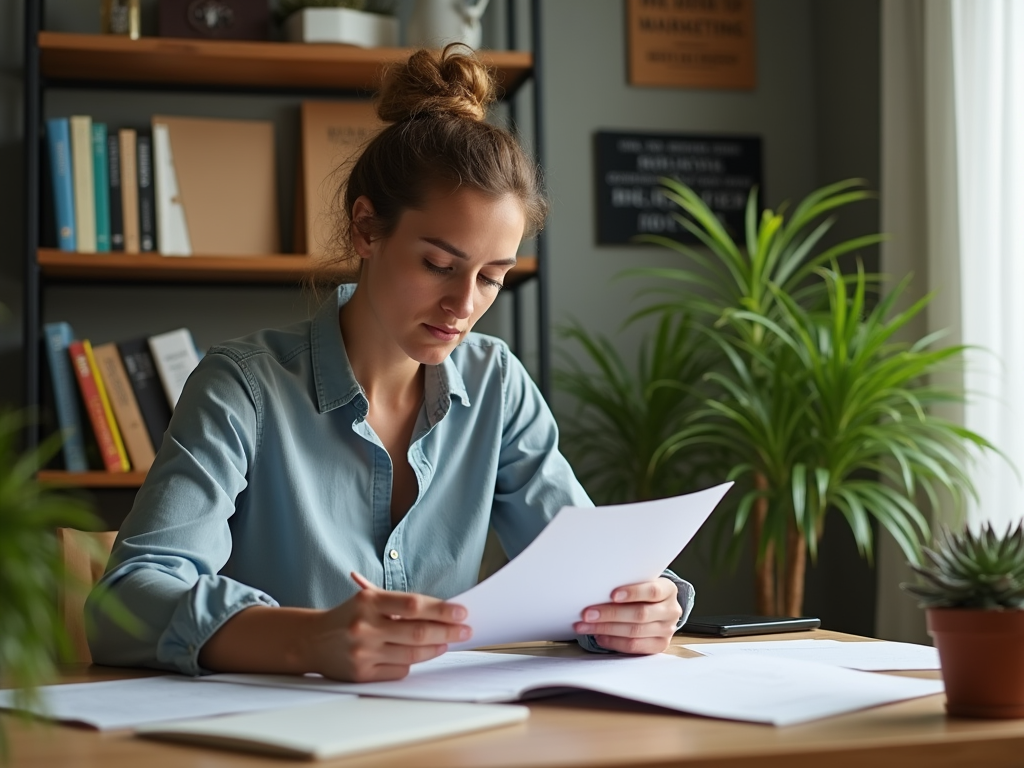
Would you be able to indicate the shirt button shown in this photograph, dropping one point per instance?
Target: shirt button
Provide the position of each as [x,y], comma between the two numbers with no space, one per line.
[393,554]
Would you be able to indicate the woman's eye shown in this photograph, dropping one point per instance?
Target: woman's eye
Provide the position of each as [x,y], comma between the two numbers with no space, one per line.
[490,283]
[436,269]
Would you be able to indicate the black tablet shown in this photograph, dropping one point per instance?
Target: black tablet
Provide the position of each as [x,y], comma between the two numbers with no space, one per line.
[745,624]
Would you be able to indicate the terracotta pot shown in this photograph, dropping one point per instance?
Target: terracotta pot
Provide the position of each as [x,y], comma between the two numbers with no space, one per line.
[982,657]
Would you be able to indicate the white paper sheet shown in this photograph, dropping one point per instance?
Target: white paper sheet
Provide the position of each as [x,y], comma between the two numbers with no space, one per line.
[872,656]
[126,703]
[578,560]
[735,687]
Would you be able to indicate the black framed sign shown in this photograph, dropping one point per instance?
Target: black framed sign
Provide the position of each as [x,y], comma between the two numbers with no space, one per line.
[721,169]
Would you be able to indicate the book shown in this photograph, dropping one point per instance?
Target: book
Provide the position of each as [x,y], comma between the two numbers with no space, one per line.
[129,190]
[126,408]
[149,392]
[97,407]
[332,133]
[172,228]
[57,336]
[81,165]
[174,357]
[225,172]
[58,137]
[101,187]
[345,726]
[114,200]
[146,193]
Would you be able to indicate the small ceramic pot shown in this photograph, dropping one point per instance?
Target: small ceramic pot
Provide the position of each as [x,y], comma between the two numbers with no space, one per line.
[982,657]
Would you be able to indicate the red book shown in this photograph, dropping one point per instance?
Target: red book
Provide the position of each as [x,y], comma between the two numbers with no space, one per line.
[94,407]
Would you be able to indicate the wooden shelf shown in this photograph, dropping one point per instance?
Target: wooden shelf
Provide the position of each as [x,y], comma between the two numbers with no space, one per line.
[94,479]
[281,269]
[149,60]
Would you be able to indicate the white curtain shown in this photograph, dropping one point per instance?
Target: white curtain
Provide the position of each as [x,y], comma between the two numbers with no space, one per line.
[919,213]
[952,197]
[988,57]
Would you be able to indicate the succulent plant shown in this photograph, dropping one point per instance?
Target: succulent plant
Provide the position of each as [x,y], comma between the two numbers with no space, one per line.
[972,570]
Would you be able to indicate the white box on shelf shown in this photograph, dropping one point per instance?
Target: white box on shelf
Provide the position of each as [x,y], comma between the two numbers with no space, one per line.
[342,25]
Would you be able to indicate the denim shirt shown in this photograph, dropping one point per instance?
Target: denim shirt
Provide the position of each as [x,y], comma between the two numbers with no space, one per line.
[270,487]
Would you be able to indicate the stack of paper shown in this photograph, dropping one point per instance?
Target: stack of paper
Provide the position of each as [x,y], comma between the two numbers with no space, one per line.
[871,656]
[127,703]
[284,721]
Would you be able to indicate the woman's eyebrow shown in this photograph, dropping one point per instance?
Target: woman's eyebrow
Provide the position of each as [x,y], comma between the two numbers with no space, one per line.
[444,245]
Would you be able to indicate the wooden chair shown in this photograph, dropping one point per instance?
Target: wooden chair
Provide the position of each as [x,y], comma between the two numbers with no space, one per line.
[85,557]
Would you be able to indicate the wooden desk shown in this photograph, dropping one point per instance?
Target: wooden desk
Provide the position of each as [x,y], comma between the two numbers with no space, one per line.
[586,729]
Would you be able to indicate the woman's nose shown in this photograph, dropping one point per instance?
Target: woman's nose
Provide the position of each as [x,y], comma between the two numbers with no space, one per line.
[459,299]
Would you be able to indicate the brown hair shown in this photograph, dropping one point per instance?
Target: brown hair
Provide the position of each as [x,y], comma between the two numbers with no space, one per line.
[436,104]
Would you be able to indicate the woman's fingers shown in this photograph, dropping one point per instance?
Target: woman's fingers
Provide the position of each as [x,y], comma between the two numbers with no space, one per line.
[634,645]
[648,592]
[641,618]
[621,629]
[406,605]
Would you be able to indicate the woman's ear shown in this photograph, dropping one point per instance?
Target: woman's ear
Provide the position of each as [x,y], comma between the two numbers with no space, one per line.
[362,215]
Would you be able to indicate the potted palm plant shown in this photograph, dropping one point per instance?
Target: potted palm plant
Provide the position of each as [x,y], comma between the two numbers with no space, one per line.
[809,400]
[972,587]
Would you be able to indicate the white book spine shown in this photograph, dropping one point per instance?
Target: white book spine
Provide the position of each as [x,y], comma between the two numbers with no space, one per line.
[175,357]
[171,224]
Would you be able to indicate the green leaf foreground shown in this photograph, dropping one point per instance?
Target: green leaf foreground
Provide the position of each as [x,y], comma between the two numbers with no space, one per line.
[32,636]
[792,371]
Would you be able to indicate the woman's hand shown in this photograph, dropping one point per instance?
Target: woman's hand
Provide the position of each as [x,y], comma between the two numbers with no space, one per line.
[641,618]
[375,635]
[378,635]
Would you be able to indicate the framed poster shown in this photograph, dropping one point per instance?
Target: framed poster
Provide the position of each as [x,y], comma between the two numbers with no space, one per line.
[721,169]
[692,43]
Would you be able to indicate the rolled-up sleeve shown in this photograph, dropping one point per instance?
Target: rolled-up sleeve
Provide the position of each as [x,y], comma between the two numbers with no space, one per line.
[165,563]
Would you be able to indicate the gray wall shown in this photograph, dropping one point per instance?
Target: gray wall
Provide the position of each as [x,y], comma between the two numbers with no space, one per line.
[815,106]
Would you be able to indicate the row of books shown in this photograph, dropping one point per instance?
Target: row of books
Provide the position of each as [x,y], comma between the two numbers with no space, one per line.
[179,186]
[102,186]
[188,185]
[127,391]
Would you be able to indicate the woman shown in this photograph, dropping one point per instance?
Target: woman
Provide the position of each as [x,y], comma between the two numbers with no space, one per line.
[323,488]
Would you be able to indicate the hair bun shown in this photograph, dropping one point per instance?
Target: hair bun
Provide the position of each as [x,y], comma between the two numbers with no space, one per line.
[440,83]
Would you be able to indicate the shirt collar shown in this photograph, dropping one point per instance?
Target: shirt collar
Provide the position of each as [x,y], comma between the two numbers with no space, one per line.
[335,382]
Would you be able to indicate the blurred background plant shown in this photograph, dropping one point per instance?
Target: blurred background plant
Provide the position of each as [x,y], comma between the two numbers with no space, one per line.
[797,386]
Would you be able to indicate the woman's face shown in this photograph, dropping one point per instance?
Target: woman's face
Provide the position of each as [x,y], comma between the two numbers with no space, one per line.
[430,280]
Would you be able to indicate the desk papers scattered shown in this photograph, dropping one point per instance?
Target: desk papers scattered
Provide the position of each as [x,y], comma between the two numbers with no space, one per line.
[874,656]
[734,687]
[125,703]
[579,558]
[343,726]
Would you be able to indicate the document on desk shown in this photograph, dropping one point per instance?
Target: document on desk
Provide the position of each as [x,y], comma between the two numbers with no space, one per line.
[578,560]
[125,703]
[874,656]
[737,687]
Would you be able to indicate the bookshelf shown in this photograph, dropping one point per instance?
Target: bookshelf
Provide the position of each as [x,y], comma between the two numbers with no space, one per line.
[84,61]
[156,60]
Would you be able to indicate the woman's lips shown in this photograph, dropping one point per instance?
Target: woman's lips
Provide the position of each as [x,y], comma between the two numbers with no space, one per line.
[444,334]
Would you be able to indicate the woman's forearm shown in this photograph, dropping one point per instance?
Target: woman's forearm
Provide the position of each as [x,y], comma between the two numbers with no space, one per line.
[262,639]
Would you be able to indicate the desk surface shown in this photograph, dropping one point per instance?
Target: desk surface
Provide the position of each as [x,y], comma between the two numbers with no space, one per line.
[589,729]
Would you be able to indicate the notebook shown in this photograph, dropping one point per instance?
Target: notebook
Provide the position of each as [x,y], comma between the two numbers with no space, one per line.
[344,727]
